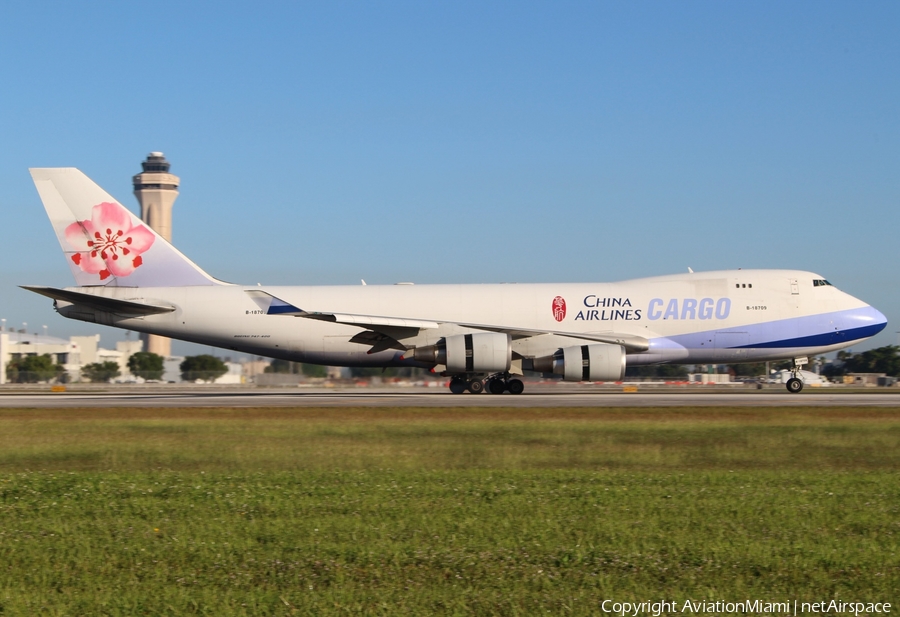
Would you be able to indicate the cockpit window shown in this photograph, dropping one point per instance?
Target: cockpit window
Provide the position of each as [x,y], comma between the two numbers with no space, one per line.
[821,283]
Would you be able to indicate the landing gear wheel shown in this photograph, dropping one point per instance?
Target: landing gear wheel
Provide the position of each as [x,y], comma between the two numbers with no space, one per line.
[476,386]
[496,386]
[457,386]
[515,386]
[794,385]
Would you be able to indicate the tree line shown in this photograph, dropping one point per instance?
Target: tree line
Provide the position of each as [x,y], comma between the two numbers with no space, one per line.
[880,360]
[147,365]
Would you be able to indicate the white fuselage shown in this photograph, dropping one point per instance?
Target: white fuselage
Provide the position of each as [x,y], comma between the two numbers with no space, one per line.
[727,316]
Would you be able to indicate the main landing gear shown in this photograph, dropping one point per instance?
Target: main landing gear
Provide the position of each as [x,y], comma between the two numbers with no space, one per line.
[495,384]
[795,384]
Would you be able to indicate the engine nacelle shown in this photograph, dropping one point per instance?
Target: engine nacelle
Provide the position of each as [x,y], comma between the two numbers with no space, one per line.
[483,352]
[598,362]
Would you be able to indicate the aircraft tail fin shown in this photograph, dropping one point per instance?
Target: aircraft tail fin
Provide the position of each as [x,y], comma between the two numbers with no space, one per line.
[105,243]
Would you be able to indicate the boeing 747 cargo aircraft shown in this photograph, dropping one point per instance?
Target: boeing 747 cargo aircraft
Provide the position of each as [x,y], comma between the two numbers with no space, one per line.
[481,336]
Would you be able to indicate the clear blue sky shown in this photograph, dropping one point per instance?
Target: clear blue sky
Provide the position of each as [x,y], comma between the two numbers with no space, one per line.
[466,142]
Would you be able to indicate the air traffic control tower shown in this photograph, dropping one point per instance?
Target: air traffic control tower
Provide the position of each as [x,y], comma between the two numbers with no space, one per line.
[156,190]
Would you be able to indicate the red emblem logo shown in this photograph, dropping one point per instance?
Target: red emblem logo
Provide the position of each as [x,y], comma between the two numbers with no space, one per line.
[559,308]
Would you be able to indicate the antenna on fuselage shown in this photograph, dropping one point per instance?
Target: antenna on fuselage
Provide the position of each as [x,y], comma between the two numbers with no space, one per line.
[689,270]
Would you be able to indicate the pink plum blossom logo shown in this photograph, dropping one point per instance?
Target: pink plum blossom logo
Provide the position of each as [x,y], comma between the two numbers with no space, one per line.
[108,244]
[559,308]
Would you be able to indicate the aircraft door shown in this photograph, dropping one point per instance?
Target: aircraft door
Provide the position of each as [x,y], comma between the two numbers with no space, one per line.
[795,287]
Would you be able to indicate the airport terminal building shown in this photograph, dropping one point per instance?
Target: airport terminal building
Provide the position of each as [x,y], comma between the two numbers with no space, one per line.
[72,354]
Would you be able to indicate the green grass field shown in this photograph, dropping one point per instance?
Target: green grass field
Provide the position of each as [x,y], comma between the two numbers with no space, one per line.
[451,512]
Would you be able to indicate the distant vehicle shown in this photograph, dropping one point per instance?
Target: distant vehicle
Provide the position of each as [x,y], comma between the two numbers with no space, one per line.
[807,377]
[479,335]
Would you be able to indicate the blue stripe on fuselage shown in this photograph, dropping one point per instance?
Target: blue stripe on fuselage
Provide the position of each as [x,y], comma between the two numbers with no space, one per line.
[821,340]
[820,330]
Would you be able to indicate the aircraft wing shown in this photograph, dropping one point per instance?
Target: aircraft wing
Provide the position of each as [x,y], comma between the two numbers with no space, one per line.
[129,308]
[392,330]
[276,306]
[630,342]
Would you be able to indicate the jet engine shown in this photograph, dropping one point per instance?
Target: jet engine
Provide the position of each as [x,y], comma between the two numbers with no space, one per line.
[598,362]
[483,352]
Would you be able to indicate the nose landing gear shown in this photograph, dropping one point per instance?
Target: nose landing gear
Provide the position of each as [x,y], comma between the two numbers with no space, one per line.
[795,384]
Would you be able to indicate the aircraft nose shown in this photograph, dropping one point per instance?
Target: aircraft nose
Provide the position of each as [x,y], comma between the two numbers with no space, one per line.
[865,322]
[879,318]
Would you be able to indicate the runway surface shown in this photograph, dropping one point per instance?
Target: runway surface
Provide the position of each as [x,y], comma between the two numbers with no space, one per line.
[546,396]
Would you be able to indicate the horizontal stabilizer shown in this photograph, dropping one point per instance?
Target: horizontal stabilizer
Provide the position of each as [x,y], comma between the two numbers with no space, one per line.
[100,303]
